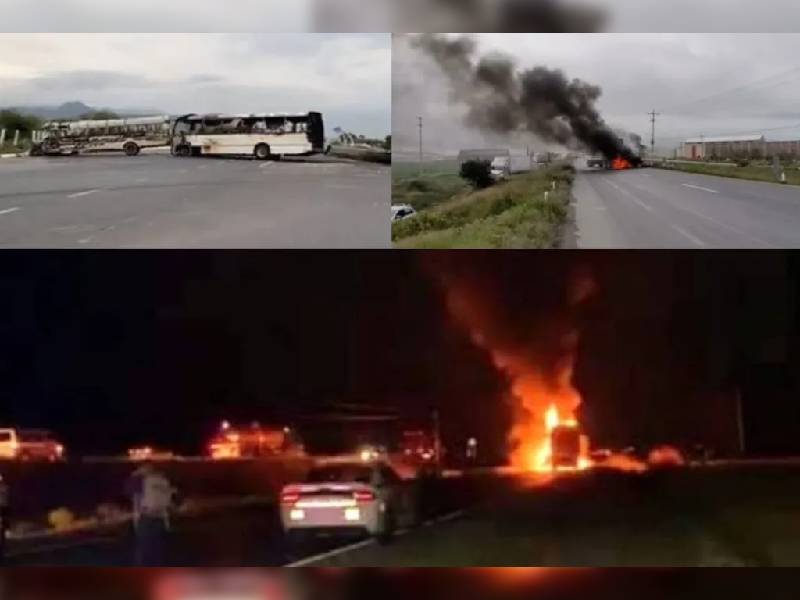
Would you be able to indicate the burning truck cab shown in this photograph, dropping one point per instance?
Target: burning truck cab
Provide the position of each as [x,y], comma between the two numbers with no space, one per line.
[566,446]
[627,153]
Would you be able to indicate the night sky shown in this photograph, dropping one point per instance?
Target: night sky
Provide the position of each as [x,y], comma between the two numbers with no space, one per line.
[111,349]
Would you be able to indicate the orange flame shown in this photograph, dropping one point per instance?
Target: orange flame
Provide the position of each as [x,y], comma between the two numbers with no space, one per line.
[541,458]
[620,164]
[540,371]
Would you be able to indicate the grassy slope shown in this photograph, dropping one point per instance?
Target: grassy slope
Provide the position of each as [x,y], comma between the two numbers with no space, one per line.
[752,172]
[512,214]
[438,182]
[9,148]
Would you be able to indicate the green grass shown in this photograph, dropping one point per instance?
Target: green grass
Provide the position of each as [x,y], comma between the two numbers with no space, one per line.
[377,155]
[750,172]
[511,214]
[9,148]
[438,182]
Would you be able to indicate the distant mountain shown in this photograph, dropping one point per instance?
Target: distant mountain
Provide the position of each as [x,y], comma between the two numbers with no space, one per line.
[73,110]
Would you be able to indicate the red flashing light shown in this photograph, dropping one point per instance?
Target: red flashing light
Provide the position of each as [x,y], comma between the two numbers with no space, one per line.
[363,496]
[289,497]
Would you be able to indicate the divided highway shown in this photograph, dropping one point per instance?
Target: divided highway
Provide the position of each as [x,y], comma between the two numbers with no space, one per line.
[654,208]
[159,201]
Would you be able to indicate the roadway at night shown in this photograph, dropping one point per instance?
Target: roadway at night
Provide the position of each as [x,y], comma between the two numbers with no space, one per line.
[742,515]
[722,515]
[249,535]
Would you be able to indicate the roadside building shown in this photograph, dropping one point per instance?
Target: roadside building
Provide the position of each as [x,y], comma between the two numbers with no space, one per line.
[723,147]
[737,147]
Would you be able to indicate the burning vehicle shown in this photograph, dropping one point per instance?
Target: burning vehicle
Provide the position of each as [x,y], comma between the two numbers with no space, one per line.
[231,443]
[565,441]
[631,157]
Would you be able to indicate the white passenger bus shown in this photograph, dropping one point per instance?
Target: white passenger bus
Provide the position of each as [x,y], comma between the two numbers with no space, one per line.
[263,136]
[112,135]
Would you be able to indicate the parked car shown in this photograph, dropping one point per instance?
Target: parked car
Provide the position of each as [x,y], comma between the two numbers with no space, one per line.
[29,444]
[348,498]
[402,211]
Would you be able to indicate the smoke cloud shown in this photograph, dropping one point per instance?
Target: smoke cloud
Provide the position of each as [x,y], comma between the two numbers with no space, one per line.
[508,16]
[501,99]
[535,354]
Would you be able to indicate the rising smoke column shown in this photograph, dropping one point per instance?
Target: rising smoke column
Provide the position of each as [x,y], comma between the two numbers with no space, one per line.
[523,16]
[538,358]
[503,100]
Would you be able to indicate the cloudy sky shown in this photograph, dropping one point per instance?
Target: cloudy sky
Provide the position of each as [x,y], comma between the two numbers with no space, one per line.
[383,15]
[346,76]
[702,84]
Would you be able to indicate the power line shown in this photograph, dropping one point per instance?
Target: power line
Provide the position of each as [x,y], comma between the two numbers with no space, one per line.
[420,144]
[736,89]
[740,132]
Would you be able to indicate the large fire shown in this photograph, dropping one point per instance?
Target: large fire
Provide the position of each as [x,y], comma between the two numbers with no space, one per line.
[538,362]
[621,164]
[540,457]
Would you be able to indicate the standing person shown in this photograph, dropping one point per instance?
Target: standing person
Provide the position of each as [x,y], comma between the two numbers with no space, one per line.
[3,518]
[152,497]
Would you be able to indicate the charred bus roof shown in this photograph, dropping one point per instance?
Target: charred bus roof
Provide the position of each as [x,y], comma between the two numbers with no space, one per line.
[218,116]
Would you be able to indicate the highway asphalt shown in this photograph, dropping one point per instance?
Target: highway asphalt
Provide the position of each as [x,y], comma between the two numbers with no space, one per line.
[249,535]
[705,516]
[726,514]
[654,208]
[159,201]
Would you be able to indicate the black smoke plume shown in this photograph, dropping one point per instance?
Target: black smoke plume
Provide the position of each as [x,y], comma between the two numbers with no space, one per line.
[523,16]
[504,100]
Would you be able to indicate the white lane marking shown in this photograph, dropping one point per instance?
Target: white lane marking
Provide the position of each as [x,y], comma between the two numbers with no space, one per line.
[647,207]
[265,165]
[363,544]
[696,241]
[318,557]
[452,516]
[86,193]
[702,216]
[10,210]
[731,228]
[700,187]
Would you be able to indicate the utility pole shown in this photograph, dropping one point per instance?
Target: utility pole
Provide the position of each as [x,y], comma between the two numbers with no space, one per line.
[437,432]
[740,421]
[420,144]
[653,116]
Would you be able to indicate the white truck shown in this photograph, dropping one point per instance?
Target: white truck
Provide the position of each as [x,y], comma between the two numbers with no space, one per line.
[29,444]
[505,166]
[596,161]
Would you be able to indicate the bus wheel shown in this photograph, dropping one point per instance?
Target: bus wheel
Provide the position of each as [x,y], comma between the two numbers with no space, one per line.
[262,152]
[131,149]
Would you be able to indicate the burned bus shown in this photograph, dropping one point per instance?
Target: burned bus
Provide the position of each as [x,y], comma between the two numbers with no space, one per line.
[262,136]
[106,135]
